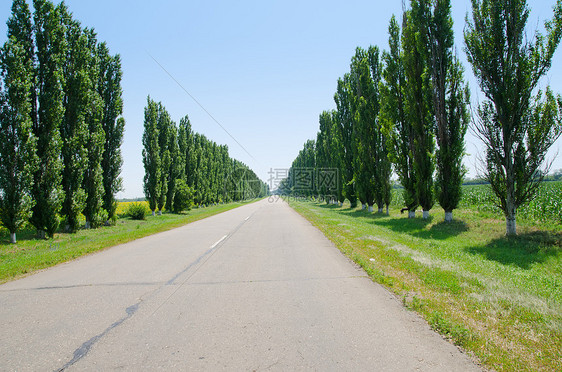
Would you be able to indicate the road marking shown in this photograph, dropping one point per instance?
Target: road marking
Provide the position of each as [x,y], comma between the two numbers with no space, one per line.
[220,240]
[247,218]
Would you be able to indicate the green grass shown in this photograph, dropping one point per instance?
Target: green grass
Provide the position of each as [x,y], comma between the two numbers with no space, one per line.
[499,298]
[31,254]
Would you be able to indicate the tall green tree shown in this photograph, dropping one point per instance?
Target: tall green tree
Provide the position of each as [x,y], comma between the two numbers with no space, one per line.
[516,127]
[17,144]
[93,177]
[326,156]
[74,128]
[381,162]
[450,102]
[182,148]
[303,170]
[227,170]
[364,116]
[450,137]
[345,126]
[398,129]
[151,155]
[336,145]
[113,125]
[164,123]
[187,150]
[176,165]
[49,82]
[419,105]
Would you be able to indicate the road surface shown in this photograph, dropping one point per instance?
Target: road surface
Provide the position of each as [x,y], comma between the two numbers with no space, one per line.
[252,289]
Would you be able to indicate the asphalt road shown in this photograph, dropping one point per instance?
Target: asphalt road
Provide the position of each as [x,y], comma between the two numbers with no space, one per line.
[255,288]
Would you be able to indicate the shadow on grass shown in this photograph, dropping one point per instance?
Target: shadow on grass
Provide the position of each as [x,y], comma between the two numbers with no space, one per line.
[22,235]
[417,227]
[354,212]
[523,250]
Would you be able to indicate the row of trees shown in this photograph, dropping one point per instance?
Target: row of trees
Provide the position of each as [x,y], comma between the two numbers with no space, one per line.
[410,109]
[60,119]
[391,111]
[177,157]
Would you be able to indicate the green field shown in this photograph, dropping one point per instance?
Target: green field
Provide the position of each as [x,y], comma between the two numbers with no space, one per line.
[500,298]
[31,254]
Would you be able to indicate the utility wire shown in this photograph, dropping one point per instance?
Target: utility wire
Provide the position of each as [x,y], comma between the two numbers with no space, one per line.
[200,105]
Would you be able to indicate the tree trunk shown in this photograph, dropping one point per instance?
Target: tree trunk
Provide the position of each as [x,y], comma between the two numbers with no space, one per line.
[154,212]
[448,216]
[412,214]
[425,214]
[370,208]
[510,225]
[363,206]
[160,212]
[510,209]
[380,210]
[387,210]
[13,238]
[341,204]
[88,224]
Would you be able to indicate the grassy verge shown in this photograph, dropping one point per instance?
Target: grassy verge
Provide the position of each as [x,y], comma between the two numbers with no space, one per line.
[499,298]
[31,254]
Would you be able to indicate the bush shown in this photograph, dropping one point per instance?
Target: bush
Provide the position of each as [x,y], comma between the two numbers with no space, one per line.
[183,198]
[99,219]
[137,211]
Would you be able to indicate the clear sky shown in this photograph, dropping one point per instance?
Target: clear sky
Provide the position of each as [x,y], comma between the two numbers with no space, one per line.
[264,69]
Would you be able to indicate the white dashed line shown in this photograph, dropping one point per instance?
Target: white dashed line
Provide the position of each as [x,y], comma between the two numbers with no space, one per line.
[220,240]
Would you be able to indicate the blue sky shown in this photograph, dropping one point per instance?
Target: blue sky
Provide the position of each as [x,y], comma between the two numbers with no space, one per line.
[264,69]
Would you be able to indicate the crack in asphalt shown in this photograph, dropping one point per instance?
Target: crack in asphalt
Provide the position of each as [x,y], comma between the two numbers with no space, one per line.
[175,277]
[115,284]
[215,247]
[83,350]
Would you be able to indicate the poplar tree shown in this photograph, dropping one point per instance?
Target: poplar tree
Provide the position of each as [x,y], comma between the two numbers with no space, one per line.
[450,102]
[337,148]
[93,177]
[419,106]
[187,150]
[17,144]
[326,154]
[151,155]
[176,164]
[50,43]
[305,162]
[362,91]
[381,162]
[113,125]
[345,123]
[182,150]
[73,127]
[516,126]
[398,129]
[163,125]
[227,170]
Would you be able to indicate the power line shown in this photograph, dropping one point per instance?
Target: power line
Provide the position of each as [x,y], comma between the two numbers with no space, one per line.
[200,105]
